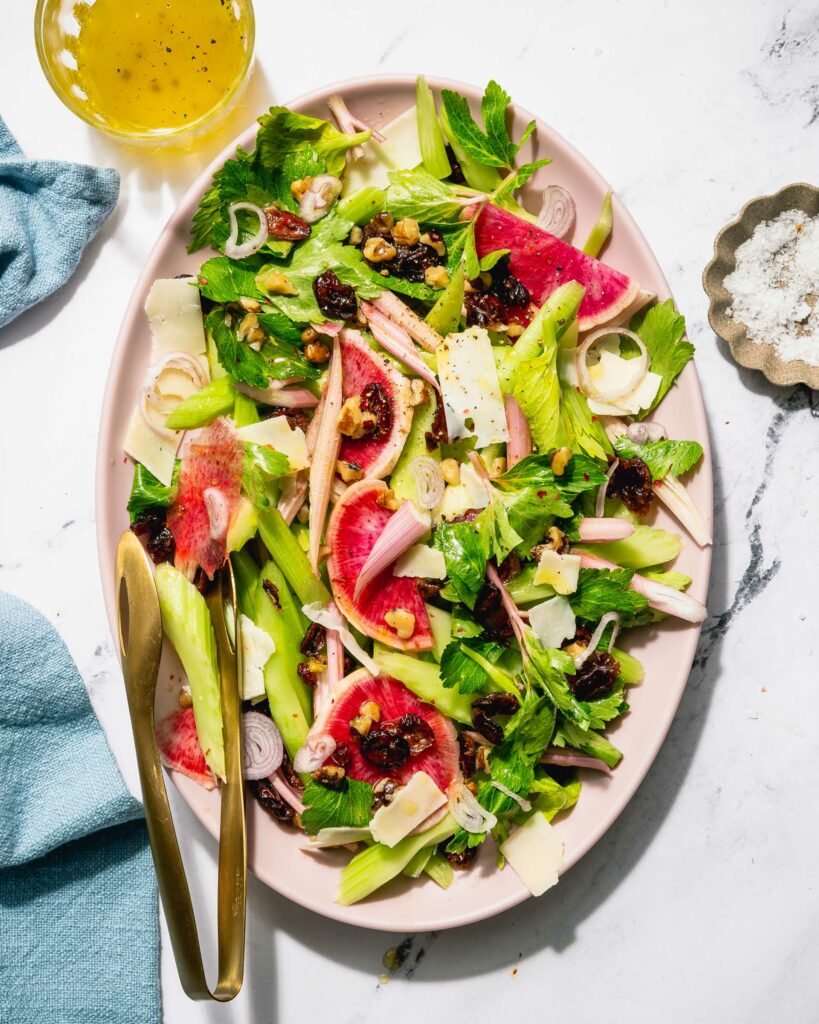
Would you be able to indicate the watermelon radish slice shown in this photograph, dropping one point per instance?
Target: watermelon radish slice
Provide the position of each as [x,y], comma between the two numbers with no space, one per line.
[208,496]
[357,521]
[439,760]
[375,455]
[543,263]
[179,747]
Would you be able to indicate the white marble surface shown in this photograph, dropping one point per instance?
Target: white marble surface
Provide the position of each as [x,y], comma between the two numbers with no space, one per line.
[700,904]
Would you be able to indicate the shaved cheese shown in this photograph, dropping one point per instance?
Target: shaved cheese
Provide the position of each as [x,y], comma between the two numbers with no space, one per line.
[277,433]
[454,502]
[257,649]
[421,560]
[175,316]
[471,391]
[553,621]
[400,150]
[410,806]
[611,373]
[157,454]
[534,851]
[338,835]
[478,493]
[559,571]
[317,612]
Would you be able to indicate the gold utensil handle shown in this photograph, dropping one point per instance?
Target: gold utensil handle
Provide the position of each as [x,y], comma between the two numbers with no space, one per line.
[140,643]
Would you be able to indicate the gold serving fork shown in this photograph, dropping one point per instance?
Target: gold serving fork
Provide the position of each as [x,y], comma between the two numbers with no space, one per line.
[140,644]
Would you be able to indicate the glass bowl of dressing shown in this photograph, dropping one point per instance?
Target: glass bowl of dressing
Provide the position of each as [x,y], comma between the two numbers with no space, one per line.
[146,69]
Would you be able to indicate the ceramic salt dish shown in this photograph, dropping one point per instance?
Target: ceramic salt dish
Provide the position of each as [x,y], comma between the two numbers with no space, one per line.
[756,354]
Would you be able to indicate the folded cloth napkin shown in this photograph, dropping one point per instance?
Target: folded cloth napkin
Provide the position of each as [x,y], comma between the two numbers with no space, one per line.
[49,211]
[79,940]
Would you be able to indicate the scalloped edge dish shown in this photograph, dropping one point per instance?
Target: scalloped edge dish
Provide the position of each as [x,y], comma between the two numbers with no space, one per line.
[277,856]
[755,355]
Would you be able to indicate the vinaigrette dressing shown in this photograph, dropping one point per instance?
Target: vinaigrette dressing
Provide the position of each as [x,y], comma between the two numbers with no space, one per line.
[158,64]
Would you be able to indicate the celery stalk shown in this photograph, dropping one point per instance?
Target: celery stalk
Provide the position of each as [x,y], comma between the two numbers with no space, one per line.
[647,546]
[523,590]
[445,315]
[558,311]
[363,205]
[215,367]
[244,410]
[417,865]
[440,622]
[423,678]
[631,671]
[186,623]
[290,558]
[213,400]
[290,700]
[377,864]
[599,234]
[433,150]
[246,575]
[440,870]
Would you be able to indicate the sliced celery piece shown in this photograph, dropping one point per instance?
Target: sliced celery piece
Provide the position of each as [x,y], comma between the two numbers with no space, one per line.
[445,315]
[599,234]
[275,611]
[558,310]
[672,578]
[648,545]
[246,574]
[213,400]
[524,590]
[290,558]
[244,410]
[433,150]
[423,678]
[363,205]
[631,670]
[377,864]
[418,864]
[440,622]
[440,870]
[187,624]
[215,367]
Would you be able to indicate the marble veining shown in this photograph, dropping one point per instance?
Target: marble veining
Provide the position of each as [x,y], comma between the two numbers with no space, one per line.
[700,903]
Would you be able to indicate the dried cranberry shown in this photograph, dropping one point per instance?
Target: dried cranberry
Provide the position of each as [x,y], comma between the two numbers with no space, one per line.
[416,732]
[290,774]
[269,798]
[509,567]
[483,310]
[374,400]
[313,642]
[456,174]
[497,703]
[410,261]
[508,288]
[336,300]
[342,755]
[286,226]
[379,227]
[463,858]
[310,678]
[272,591]
[385,748]
[428,589]
[490,613]
[490,730]
[437,435]
[467,754]
[161,545]
[596,676]
[631,483]
[295,417]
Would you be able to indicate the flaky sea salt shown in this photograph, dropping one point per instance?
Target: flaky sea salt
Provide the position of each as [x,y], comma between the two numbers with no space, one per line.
[776,283]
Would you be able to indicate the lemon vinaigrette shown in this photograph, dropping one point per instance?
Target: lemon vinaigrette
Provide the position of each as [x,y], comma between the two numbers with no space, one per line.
[158,65]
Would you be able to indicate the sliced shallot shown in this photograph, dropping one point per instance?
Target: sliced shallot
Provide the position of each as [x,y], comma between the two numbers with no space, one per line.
[601,530]
[233,249]
[641,433]
[400,313]
[470,815]
[600,502]
[678,501]
[639,369]
[294,491]
[602,626]
[522,802]
[325,455]
[429,483]
[397,342]
[569,760]
[285,398]
[659,596]
[557,211]
[403,529]
[315,752]
[519,444]
[262,746]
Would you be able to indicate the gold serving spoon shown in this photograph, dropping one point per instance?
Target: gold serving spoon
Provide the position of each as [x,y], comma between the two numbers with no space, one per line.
[140,644]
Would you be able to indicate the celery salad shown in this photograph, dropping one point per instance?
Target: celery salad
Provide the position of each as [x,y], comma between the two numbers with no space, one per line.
[420,424]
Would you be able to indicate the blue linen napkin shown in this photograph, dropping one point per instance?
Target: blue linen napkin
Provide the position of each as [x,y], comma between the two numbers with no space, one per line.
[79,939]
[49,211]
